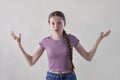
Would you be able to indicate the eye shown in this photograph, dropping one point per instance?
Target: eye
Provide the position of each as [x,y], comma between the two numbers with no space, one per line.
[53,23]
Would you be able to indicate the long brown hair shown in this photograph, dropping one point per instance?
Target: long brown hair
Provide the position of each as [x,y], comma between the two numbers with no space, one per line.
[69,48]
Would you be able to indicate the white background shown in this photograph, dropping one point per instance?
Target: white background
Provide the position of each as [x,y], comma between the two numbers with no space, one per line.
[85,19]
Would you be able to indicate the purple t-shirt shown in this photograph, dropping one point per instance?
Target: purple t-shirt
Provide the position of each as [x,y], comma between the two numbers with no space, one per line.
[57,52]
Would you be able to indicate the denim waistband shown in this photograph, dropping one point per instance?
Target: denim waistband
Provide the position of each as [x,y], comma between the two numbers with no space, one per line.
[65,76]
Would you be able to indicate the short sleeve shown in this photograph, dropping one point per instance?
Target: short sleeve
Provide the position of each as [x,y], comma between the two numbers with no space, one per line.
[74,40]
[42,43]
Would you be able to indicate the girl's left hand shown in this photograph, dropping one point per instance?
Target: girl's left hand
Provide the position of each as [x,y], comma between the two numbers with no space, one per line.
[104,34]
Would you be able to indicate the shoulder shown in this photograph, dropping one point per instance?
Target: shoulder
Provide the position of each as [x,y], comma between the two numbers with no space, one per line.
[73,39]
[71,36]
[44,39]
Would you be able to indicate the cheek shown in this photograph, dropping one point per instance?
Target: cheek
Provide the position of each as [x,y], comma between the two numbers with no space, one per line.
[51,26]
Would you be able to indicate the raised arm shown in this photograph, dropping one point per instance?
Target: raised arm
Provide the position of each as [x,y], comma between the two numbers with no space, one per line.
[89,55]
[31,59]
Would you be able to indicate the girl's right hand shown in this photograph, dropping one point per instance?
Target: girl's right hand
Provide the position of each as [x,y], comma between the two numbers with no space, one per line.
[16,38]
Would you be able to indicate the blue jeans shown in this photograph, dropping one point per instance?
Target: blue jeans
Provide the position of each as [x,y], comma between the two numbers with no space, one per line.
[66,76]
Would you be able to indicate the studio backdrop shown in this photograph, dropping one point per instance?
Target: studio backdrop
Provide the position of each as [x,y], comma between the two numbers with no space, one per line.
[85,19]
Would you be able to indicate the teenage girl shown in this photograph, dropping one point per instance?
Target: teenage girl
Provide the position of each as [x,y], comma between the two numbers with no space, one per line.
[59,46]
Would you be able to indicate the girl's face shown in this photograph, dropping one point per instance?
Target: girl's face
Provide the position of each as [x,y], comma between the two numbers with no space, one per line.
[57,24]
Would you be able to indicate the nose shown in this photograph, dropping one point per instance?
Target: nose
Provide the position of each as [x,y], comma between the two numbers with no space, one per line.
[56,25]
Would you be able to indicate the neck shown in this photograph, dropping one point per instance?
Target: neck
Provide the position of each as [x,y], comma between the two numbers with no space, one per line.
[57,36]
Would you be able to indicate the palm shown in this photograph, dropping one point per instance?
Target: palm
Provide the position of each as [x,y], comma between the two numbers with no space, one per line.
[102,35]
[17,38]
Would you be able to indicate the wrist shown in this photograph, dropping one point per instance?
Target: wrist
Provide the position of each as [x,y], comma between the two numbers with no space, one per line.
[99,39]
[19,44]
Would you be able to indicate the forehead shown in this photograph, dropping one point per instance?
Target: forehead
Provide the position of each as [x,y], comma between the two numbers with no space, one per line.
[56,19]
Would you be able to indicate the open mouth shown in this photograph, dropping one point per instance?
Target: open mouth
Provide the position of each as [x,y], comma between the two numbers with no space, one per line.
[56,30]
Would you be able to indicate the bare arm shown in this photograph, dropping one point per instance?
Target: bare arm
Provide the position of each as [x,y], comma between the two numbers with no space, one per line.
[89,55]
[31,59]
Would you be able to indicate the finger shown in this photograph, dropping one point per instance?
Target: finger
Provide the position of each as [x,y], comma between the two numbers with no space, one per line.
[13,35]
[19,35]
[102,33]
[107,33]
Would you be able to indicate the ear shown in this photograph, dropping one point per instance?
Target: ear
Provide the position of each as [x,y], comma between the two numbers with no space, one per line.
[49,24]
[64,24]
